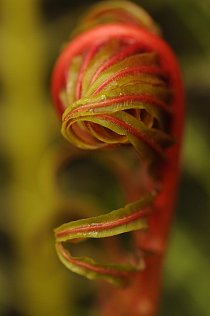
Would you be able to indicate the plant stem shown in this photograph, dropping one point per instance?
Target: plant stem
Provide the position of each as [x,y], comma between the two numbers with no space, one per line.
[37,282]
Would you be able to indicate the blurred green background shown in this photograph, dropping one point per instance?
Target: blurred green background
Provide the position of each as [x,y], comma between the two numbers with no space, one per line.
[32,280]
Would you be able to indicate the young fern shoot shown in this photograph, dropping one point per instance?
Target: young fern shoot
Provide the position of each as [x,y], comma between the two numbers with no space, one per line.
[118,83]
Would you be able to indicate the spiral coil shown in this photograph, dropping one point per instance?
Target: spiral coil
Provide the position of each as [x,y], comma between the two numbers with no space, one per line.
[125,99]
[112,87]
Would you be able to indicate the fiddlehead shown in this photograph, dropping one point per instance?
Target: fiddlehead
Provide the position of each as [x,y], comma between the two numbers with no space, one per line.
[116,83]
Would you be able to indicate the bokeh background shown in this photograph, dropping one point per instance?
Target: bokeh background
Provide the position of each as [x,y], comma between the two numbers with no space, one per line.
[35,165]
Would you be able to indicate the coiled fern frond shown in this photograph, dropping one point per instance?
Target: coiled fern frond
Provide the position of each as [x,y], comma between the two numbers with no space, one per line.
[114,85]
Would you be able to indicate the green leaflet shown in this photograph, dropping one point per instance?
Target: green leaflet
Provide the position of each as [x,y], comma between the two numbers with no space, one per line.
[101,56]
[117,274]
[126,219]
[121,12]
